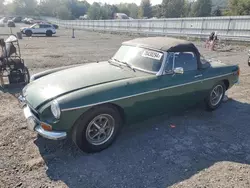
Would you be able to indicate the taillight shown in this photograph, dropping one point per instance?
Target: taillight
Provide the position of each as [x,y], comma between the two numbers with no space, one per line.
[238,72]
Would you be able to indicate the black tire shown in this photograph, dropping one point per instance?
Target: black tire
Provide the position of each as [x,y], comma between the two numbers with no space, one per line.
[28,33]
[27,75]
[79,135]
[209,105]
[248,61]
[49,33]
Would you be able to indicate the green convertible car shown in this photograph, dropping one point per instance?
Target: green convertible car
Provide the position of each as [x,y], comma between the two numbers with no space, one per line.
[146,77]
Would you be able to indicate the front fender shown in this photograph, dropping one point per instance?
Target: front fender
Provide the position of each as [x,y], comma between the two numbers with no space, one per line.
[50,71]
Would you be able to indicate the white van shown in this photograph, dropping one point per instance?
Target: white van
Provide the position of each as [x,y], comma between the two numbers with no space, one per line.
[121,16]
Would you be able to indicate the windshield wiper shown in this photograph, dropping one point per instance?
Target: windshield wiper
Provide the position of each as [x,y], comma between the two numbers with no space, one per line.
[114,64]
[123,62]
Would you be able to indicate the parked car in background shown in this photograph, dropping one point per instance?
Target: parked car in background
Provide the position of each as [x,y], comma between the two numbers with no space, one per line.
[146,77]
[5,19]
[10,23]
[36,21]
[2,24]
[46,29]
[17,19]
[30,21]
[121,16]
[84,17]
[24,19]
[27,20]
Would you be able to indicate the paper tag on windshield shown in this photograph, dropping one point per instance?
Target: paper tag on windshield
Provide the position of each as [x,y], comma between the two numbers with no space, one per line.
[152,55]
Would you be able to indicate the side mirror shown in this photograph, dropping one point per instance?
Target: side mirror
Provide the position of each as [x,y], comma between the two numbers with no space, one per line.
[178,70]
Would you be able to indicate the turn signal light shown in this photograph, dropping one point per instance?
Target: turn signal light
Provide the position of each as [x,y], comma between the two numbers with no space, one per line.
[46,127]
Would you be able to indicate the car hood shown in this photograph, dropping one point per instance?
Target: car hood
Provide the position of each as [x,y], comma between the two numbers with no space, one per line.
[22,28]
[56,84]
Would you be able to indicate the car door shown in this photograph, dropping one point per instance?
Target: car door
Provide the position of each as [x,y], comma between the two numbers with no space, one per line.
[42,29]
[180,90]
[35,29]
[46,27]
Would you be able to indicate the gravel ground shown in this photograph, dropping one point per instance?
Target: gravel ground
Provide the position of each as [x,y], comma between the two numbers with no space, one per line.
[203,150]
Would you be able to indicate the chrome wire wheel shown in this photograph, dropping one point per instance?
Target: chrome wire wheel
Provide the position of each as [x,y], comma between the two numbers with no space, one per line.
[100,129]
[216,95]
[26,75]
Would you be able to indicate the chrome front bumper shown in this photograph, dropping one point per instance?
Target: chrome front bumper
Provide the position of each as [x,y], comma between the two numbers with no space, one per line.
[35,125]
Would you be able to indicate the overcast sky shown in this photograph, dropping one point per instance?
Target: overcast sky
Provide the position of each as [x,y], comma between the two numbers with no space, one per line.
[154,2]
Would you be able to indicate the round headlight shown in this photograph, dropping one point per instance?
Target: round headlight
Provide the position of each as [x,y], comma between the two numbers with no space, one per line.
[55,109]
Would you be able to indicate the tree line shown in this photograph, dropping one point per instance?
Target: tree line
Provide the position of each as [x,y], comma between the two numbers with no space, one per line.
[73,9]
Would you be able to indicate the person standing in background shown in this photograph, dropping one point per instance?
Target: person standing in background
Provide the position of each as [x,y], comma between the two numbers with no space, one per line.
[210,43]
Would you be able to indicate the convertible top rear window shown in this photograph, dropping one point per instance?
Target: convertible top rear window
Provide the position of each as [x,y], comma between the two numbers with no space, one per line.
[141,58]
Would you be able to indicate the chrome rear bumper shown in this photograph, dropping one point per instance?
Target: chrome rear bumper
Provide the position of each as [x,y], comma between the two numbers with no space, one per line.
[34,124]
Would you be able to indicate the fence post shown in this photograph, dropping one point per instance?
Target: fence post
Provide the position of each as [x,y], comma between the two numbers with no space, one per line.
[229,24]
[119,26]
[202,27]
[150,27]
[181,25]
[138,26]
[163,28]
[73,33]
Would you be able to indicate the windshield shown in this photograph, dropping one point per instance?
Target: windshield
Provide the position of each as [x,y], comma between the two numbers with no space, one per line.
[33,26]
[140,58]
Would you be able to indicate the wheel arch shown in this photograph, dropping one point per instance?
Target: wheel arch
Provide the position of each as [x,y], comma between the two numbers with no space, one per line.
[49,32]
[226,82]
[29,30]
[112,105]
[74,133]
[120,110]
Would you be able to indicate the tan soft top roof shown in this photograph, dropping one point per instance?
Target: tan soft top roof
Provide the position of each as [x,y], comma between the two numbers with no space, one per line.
[160,43]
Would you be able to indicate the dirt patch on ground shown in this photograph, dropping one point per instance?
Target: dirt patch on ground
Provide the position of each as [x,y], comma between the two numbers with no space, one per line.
[202,150]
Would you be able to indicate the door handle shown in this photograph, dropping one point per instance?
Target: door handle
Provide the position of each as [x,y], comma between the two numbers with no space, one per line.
[197,76]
